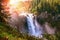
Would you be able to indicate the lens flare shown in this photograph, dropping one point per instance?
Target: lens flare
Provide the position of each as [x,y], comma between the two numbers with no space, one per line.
[19,5]
[16,6]
[14,1]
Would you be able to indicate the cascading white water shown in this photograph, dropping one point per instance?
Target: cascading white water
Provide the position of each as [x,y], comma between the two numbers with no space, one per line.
[30,24]
[34,28]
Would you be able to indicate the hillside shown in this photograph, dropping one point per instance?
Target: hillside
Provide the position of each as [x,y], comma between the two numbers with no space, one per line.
[8,33]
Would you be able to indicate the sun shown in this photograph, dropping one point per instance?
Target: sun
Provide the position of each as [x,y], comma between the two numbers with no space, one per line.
[16,1]
[19,6]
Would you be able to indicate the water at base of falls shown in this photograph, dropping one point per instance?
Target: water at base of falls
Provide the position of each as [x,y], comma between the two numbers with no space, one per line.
[34,28]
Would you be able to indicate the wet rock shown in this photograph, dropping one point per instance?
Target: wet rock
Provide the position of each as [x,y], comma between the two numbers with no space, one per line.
[49,29]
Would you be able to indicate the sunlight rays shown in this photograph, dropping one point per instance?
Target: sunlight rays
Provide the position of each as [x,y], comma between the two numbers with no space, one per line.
[19,5]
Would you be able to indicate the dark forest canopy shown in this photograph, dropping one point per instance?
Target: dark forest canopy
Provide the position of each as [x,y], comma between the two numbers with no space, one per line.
[46,5]
[51,7]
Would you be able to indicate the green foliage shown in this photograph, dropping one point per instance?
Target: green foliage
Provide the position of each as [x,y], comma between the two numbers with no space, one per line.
[9,33]
[51,6]
[45,5]
[50,37]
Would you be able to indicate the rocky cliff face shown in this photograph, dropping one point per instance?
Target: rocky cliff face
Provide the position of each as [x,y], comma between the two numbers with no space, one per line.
[22,24]
[18,22]
[42,19]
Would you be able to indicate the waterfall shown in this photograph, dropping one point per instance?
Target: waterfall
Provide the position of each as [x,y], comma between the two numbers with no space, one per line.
[34,27]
